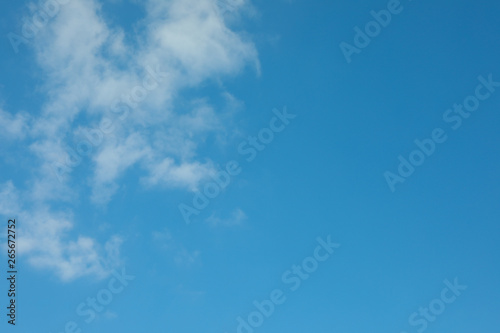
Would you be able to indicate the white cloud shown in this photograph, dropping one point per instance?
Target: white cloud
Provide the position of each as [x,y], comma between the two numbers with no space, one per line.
[188,175]
[236,218]
[88,64]
[13,126]
[112,161]
[193,34]
[45,240]
[9,199]
[191,42]
[201,119]
[43,237]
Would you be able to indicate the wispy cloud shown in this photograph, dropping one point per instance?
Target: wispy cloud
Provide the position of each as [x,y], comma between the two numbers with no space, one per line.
[236,218]
[13,127]
[44,240]
[94,72]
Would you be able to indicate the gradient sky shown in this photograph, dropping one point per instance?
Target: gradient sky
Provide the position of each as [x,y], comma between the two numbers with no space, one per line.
[221,69]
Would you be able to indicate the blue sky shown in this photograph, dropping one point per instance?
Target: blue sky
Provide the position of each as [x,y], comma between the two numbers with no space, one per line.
[158,97]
